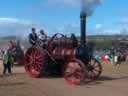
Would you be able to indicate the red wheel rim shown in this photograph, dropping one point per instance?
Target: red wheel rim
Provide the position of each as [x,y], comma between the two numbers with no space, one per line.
[94,69]
[33,62]
[74,72]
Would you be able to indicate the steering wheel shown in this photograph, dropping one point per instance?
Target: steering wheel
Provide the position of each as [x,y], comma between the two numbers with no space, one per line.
[57,36]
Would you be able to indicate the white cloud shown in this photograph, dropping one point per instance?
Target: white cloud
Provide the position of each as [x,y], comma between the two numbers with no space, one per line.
[70,28]
[14,21]
[123,21]
[98,26]
[8,20]
[14,26]
[110,32]
[86,6]
[74,2]
[124,31]
[71,3]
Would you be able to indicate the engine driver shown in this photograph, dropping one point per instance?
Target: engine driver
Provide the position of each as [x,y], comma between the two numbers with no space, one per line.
[33,37]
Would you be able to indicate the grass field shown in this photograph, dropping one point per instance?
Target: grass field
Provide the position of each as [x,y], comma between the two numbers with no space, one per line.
[113,82]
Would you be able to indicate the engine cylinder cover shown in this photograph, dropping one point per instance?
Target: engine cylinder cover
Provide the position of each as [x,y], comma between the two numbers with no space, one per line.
[63,53]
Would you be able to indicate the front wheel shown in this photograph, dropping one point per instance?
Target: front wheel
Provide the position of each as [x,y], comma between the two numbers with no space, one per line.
[94,69]
[74,72]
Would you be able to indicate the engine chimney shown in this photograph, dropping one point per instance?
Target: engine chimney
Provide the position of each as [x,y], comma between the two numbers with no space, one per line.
[83,27]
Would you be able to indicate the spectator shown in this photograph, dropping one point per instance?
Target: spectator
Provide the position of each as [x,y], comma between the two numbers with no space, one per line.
[115,59]
[7,61]
[42,38]
[97,57]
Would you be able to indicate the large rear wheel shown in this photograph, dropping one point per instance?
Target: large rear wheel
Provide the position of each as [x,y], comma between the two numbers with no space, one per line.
[34,60]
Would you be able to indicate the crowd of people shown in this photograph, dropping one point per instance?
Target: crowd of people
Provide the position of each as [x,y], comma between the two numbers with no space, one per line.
[113,55]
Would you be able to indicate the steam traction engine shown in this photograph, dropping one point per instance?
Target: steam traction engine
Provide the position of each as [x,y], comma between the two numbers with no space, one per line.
[16,52]
[64,56]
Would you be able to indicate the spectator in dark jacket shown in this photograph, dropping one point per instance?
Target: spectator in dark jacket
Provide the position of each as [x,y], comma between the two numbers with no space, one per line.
[33,37]
[7,62]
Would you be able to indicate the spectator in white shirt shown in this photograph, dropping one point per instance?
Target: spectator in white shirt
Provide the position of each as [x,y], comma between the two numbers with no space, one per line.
[42,38]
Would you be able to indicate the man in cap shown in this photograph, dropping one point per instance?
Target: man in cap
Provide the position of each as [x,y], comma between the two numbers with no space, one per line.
[33,37]
[42,38]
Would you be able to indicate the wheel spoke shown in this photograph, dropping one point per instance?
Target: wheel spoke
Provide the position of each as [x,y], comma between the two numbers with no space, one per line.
[93,64]
[38,57]
[96,66]
[71,68]
[38,62]
[73,79]
[28,56]
[33,54]
[93,74]
[89,74]
[34,67]
[39,66]
[69,74]
[78,74]
[96,70]
[36,53]
[27,64]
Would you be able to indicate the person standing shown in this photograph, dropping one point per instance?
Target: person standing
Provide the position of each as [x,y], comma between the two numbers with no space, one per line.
[7,62]
[116,58]
[112,55]
[33,37]
[97,57]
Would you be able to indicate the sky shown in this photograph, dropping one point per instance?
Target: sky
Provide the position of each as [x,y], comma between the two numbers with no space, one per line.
[17,17]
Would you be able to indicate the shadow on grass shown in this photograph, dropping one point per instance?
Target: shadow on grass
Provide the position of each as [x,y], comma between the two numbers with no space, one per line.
[18,65]
[107,78]
[51,76]
[101,79]
[13,84]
